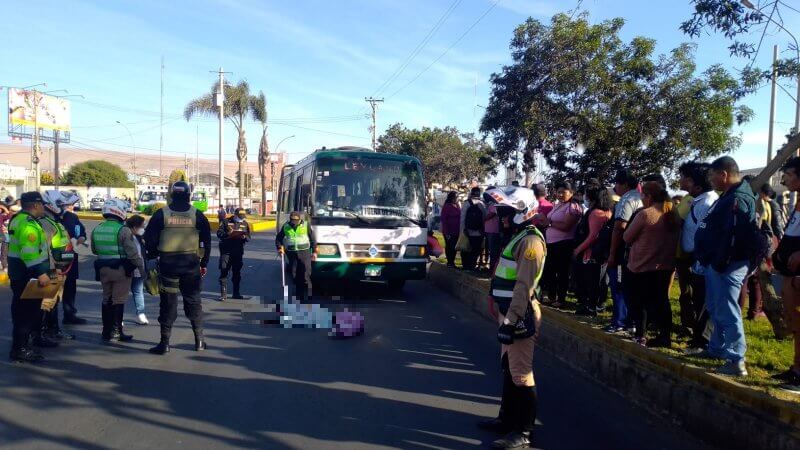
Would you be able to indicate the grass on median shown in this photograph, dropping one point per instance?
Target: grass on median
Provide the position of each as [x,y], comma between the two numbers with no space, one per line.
[765,355]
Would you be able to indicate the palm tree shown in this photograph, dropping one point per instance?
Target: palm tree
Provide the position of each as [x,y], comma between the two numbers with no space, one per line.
[258,107]
[236,108]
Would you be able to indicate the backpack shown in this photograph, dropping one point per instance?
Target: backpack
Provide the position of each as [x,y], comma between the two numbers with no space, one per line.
[474,219]
[601,249]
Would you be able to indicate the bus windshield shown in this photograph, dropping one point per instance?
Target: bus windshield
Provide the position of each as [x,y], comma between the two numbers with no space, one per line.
[150,196]
[371,188]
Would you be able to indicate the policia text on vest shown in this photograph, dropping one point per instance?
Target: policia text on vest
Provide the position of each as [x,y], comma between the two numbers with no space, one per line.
[296,240]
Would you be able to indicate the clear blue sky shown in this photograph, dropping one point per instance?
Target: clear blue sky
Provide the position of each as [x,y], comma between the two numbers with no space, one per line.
[315,60]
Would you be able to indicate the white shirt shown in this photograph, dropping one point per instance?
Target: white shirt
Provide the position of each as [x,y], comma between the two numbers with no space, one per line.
[793,227]
[700,208]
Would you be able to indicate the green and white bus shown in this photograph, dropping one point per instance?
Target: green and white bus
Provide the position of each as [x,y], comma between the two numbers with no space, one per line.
[367,211]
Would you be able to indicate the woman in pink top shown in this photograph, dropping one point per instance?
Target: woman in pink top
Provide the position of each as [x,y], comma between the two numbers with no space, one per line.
[451,224]
[592,250]
[652,236]
[561,223]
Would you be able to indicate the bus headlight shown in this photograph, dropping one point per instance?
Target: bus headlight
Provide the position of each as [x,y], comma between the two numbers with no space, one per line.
[327,250]
[415,251]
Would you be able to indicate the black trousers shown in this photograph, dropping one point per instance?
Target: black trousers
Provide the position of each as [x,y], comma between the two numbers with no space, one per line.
[588,281]
[188,285]
[469,260]
[298,265]
[698,298]
[557,269]
[450,248]
[231,262]
[70,290]
[649,301]
[26,315]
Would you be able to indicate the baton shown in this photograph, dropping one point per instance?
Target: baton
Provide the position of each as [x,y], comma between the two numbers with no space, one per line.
[283,279]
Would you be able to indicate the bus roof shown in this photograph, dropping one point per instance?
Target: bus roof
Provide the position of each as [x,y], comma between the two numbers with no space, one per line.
[353,151]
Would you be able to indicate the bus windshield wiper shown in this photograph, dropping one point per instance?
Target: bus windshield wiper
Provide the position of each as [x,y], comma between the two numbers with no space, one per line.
[352,214]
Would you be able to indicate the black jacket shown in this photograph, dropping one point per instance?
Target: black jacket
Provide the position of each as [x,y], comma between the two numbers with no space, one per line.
[725,234]
[177,264]
[227,245]
[73,224]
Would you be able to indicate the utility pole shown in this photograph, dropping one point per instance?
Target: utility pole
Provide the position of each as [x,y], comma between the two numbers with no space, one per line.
[56,174]
[220,103]
[161,124]
[772,105]
[36,149]
[373,103]
[197,156]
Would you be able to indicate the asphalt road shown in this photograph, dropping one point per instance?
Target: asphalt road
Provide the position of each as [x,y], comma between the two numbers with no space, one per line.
[425,371]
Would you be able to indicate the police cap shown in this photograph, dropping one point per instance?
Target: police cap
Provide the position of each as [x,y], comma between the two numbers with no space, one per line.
[30,197]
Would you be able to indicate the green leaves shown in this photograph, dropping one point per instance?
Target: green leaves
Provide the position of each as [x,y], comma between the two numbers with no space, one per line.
[96,173]
[590,103]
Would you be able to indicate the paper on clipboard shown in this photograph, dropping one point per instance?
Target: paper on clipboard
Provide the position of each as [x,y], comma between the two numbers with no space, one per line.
[34,292]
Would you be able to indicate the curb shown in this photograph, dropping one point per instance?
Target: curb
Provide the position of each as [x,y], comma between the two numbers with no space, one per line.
[716,409]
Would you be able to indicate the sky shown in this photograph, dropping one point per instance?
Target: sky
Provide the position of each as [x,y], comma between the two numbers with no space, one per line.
[316,61]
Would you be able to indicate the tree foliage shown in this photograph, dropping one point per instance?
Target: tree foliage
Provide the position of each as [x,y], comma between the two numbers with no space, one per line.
[590,103]
[258,106]
[97,173]
[447,155]
[47,179]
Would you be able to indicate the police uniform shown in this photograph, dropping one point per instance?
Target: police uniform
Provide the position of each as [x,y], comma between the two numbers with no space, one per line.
[61,258]
[76,230]
[117,258]
[180,236]
[297,242]
[28,257]
[231,253]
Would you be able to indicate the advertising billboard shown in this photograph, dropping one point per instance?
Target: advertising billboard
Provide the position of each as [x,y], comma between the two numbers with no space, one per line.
[29,108]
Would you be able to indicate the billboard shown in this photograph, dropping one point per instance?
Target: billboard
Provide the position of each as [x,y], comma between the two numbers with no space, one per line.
[30,108]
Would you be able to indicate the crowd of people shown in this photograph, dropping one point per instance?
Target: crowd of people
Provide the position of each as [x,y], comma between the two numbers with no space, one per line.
[40,234]
[631,241]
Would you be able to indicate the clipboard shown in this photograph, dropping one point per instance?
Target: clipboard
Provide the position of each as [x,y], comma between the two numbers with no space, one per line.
[236,234]
[35,292]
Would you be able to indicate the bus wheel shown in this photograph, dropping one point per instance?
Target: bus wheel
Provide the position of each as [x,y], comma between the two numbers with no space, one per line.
[396,285]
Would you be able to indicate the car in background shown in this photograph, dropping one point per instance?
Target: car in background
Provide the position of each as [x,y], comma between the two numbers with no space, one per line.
[96,204]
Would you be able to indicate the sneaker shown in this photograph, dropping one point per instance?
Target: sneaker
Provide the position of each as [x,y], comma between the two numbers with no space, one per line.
[630,332]
[613,329]
[733,368]
[698,352]
[73,320]
[495,425]
[659,342]
[59,335]
[25,355]
[141,319]
[641,341]
[788,376]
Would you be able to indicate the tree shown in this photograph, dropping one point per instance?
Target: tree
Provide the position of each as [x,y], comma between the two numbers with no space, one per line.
[590,103]
[258,107]
[47,179]
[447,155]
[236,108]
[97,173]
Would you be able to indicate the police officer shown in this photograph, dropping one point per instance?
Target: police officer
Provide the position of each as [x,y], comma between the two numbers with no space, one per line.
[117,259]
[77,232]
[295,239]
[62,259]
[28,257]
[233,234]
[512,290]
[177,234]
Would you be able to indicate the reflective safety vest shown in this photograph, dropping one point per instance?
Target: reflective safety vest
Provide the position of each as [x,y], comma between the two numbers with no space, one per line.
[180,234]
[296,239]
[105,240]
[61,252]
[505,275]
[27,240]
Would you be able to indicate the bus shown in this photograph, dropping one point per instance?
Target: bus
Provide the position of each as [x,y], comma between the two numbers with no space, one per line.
[367,211]
[158,194]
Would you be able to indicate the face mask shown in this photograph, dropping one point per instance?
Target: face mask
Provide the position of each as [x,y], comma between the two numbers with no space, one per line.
[140,231]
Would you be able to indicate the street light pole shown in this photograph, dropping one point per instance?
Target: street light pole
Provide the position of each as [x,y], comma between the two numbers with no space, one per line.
[220,101]
[133,145]
[272,169]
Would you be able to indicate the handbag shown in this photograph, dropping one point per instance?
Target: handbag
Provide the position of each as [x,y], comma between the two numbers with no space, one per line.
[463,245]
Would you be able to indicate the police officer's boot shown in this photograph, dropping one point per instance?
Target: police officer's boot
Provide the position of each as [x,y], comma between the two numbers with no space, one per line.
[236,294]
[163,346]
[119,311]
[199,339]
[107,313]
[525,419]
[502,423]
[223,290]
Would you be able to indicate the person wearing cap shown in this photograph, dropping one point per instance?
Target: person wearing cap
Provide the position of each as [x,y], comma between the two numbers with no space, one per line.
[28,258]
[77,232]
[117,259]
[512,290]
[233,234]
[180,237]
[295,240]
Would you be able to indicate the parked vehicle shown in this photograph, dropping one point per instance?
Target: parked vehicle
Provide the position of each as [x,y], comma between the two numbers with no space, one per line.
[96,204]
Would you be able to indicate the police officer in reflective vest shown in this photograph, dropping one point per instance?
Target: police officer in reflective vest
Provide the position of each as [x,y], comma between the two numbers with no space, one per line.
[512,290]
[180,236]
[117,259]
[233,233]
[28,258]
[295,240]
[63,258]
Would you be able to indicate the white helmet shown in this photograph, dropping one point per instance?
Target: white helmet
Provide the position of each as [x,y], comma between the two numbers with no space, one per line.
[115,207]
[523,200]
[53,201]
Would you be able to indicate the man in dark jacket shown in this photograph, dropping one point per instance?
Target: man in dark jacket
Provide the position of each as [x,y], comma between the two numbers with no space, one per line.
[723,248]
[233,233]
[76,231]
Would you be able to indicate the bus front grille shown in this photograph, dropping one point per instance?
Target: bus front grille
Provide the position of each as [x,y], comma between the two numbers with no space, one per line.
[362,250]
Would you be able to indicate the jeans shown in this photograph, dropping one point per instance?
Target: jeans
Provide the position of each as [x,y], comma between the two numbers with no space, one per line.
[137,290]
[619,317]
[722,301]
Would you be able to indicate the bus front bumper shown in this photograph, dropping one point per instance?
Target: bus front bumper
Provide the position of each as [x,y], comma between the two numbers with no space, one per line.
[368,271]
